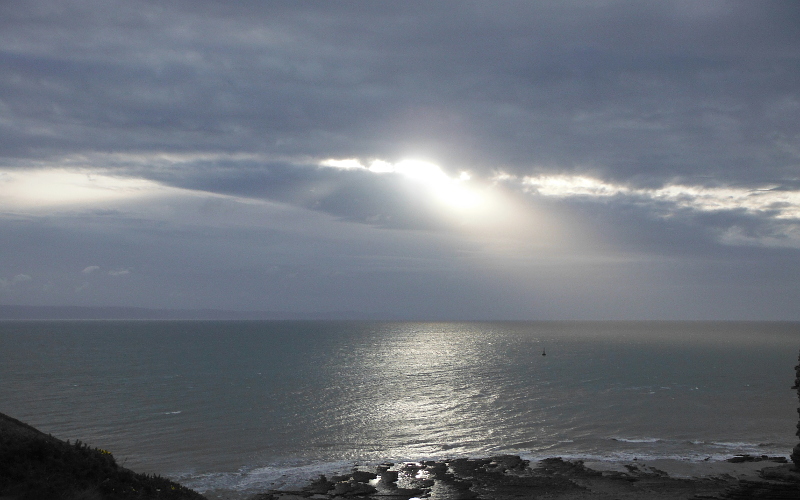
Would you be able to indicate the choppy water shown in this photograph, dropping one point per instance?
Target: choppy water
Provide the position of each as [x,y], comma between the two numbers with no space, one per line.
[251,404]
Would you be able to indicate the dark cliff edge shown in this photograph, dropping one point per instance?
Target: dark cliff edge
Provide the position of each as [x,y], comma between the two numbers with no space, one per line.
[35,466]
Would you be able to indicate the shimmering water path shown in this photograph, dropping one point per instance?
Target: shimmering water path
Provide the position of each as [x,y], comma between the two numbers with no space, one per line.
[241,405]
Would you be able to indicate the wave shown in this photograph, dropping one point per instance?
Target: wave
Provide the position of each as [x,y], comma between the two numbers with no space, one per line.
[635,456]
[248,481]
[742,446]
[637,440]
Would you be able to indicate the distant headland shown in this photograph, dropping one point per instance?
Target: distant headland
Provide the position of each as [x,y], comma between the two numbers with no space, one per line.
[26,312]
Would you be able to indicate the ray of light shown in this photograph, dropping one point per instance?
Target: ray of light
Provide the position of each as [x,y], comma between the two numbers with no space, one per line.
[454,193]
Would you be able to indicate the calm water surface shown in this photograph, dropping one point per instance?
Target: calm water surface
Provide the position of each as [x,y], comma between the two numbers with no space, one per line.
[243,405]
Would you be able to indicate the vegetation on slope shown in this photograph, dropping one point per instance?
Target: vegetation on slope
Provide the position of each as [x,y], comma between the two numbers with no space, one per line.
[34,466]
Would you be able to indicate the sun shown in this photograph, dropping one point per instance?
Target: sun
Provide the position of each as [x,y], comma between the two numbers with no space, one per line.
[452,192]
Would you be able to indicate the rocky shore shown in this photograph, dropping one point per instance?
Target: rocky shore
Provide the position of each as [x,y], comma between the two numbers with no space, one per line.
[510,477]
[37,466]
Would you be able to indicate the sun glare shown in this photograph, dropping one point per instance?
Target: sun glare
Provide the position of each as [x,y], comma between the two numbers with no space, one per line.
[422,171]
[451,192]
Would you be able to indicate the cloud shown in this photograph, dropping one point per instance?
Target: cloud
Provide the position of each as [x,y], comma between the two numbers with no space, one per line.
[7,284]
[767,216]
[450,191]
[53,186]
[585,89]
[239,138]
[659,90]
[778,202]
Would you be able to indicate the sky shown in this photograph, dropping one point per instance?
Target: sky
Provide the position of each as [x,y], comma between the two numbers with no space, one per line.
[427,160]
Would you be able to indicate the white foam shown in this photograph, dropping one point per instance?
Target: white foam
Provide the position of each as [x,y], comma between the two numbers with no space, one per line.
[637,440]
[259,479]
[735,445]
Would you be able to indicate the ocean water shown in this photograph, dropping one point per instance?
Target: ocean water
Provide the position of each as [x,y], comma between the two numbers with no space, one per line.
[242,406]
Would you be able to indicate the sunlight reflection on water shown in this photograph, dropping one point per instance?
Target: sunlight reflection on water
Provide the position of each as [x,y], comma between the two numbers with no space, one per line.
[197,398]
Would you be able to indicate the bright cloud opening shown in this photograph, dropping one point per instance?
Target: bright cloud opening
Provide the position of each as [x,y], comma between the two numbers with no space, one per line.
[53,187]
[781,204]
[453,192]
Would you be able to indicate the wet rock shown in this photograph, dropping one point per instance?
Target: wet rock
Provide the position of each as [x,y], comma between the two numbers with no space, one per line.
[436,470]
[785,473]
[558,466]
[363,476]
[351,487]
[342,488]
[399,492]
[361,489]
[452,490]
[388,477]
[796,456]
[321,485]
[511,478]
[387,486]
[752,458]
[762,490]
[466,467]
[288,496]
[508,462]
[636,472]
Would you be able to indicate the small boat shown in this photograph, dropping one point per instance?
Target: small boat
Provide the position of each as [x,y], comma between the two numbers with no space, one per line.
[544,353]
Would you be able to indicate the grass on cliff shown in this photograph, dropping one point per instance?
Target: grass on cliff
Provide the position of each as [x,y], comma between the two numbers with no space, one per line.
[36,466]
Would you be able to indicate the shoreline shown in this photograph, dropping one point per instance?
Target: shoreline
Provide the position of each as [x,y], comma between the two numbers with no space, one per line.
[509,477]
[289,476]
[37,465]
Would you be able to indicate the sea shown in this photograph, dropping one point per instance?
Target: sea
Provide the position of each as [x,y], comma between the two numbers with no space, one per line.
[231,408]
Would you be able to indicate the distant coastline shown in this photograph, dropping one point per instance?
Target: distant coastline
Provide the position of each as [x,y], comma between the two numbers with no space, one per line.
[24,312]
[68,312]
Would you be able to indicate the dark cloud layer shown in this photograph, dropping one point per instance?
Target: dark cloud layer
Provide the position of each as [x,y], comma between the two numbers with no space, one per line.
[630,89]
[249,97]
